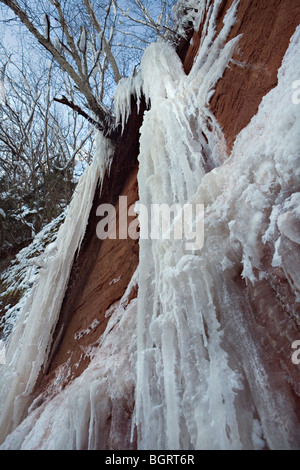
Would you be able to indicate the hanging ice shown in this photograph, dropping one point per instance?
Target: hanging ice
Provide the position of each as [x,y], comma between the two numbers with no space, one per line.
[198,374]
[30,340]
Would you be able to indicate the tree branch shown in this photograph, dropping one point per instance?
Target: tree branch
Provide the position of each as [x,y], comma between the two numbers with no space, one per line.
[111,133]
[106,45]
[81,82]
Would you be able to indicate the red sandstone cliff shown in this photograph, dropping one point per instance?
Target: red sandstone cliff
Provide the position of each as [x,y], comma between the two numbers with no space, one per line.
[266,28]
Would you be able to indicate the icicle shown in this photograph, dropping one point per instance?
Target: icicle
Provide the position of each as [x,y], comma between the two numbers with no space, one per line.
[31,338]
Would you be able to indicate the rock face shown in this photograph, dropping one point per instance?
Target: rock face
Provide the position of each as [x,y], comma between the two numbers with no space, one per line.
[266,28]
[103,270]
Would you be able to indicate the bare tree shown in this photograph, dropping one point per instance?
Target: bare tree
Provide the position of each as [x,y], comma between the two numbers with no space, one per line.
[49,110]
[81,36]
[40,149]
